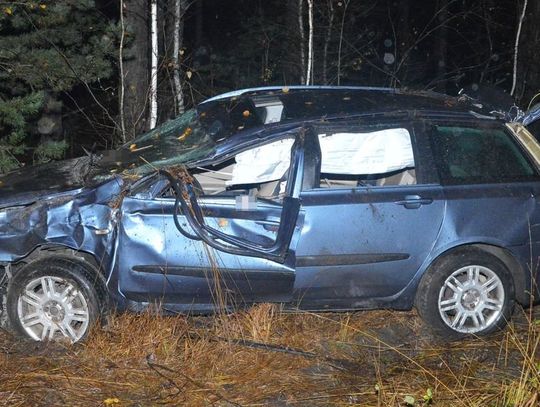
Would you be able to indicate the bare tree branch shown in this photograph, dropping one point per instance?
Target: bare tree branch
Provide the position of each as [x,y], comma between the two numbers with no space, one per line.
[516,47]
[327,39]
[345,5]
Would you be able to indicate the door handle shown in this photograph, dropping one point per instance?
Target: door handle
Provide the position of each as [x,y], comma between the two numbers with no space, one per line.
[268,225]
[414,201]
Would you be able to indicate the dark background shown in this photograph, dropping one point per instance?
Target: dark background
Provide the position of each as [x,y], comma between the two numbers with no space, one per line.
[65,55]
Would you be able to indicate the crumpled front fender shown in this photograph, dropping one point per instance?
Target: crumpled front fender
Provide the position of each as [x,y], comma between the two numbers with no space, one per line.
[81,220]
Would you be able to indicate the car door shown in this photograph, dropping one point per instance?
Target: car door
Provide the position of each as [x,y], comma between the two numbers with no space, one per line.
[492,188]
[237,253]
[371,220]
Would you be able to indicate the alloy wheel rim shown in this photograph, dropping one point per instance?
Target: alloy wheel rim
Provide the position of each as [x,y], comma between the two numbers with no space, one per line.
[471,299]
[53,308]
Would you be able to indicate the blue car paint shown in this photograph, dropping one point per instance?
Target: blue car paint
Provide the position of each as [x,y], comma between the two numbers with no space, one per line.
[354,248]
[500,215]
[178,271]
[81,220]
[366,221]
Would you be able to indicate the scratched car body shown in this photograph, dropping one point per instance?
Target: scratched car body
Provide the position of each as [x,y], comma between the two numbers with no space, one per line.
[318,198]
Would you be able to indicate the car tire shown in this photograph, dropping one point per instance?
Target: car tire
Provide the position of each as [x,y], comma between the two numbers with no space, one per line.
[53,299]
[466,293]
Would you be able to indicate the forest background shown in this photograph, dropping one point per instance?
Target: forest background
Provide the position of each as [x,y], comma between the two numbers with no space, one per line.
[77,75]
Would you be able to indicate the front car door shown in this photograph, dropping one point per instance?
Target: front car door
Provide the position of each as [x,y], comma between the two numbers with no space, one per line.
[241,251]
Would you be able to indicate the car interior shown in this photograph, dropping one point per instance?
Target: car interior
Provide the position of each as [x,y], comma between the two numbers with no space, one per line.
[349,160]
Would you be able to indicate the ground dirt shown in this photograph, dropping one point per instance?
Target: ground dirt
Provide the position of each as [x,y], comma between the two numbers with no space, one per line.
[264,357]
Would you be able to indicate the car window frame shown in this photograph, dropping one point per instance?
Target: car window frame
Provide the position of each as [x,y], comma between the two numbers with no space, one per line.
[148,182]
[527,141]
[477,124]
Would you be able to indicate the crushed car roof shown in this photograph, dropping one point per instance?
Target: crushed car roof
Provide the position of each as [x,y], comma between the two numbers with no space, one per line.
[315,101]
[242,114]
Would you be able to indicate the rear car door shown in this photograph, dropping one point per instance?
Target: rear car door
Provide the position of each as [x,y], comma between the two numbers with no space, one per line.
[372,218]
[492,188]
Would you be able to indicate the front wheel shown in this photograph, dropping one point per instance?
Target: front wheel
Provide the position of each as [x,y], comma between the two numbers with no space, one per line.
[52,299]
[469,292]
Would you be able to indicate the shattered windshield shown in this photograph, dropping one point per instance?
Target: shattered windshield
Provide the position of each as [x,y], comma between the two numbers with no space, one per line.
[193,136]
[178,141]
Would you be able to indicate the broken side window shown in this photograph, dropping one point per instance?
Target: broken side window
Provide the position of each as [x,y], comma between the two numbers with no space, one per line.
[259,172]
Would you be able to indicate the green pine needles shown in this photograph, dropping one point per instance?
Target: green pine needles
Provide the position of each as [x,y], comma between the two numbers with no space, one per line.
[47,49]
[15,114]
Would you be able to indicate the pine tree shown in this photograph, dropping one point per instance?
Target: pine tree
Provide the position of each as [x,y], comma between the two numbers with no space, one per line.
[14,114]
[46,49]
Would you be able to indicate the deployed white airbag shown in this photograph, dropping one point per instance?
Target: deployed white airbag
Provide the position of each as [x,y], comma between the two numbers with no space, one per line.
[377,152]
[366,153]
[262,164]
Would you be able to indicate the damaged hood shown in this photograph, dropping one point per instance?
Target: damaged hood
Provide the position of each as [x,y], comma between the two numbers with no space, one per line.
[32,183]
[29,184]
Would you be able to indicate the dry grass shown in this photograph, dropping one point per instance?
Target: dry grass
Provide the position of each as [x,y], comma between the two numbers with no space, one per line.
[263,357]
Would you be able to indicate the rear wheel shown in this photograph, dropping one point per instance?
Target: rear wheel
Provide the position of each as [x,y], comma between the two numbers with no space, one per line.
[469,292]
[53,299]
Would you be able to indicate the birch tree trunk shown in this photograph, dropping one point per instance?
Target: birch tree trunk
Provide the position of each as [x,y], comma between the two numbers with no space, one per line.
[516,48]
[178,36]
[121,93]
[309,73]
[302,39]
[528,88]
[154,65]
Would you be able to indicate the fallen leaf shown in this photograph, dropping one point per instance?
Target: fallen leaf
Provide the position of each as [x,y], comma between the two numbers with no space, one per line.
[223,222]
[409,400]
[186,133]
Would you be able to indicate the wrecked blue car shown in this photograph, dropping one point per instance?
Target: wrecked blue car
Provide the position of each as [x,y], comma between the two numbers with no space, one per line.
[317,198]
